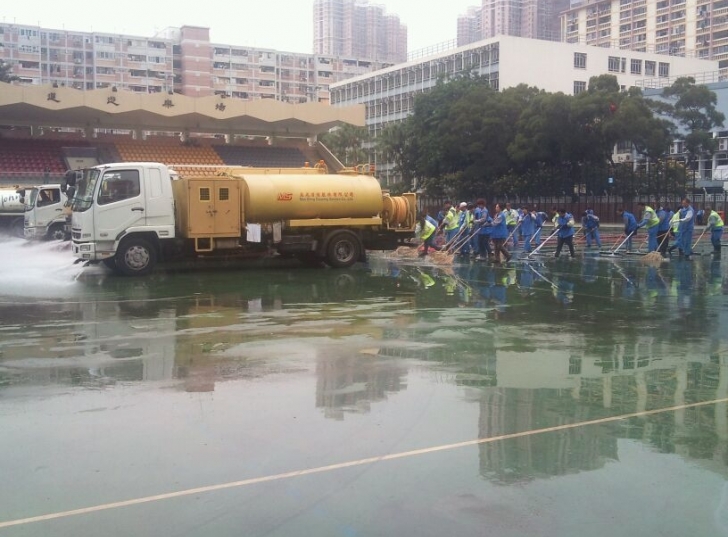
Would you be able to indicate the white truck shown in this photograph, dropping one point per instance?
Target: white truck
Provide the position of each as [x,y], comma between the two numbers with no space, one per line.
[132,215]
[46,212]
[12,210]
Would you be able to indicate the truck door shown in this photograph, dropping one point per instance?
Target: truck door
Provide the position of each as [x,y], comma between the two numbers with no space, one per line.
[119,203]
[49,206]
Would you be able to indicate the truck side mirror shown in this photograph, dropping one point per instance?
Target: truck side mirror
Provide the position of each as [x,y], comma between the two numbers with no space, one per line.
[70,192]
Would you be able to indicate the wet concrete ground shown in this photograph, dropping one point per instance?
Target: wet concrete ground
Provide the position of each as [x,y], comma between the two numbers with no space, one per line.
[609,376]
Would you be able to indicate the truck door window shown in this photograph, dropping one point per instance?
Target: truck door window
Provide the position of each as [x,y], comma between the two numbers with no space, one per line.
[119,185]
[204,194]
[48,197]
[224,194]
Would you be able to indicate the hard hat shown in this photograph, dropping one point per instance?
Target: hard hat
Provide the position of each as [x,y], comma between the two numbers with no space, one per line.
[463,205]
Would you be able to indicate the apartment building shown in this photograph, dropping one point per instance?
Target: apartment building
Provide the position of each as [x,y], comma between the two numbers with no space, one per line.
[506,61]
[534,19]
[358,29]
[679,27]
[177,59]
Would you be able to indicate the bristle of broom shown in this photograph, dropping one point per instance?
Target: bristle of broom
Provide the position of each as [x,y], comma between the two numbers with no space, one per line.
[652,259]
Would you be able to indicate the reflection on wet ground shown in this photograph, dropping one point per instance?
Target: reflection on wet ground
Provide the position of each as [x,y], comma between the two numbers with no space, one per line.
[113,389]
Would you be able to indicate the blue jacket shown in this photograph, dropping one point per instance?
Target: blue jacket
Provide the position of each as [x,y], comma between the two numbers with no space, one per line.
[528,224]
[630,224]
[565,230]
[541,218]
[500,231]
[590,221]
[664,226]
[487,228]
[432,220]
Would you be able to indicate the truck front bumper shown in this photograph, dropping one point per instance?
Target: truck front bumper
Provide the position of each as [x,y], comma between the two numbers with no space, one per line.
[93,251]
[34,233]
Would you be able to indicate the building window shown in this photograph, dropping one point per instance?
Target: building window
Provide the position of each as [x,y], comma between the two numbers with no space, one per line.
[636,67]
[649,68]
[579,86]
[613,64]
[579,60]
[664,69]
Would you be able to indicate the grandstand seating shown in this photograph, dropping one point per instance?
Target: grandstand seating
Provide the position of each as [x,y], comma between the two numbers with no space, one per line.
[169,154]
[201,157]
[36,156]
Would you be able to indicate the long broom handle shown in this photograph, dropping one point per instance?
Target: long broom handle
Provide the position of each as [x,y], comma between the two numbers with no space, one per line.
[622,244]
[512,232]
[465,241]
[544,242]
[667,234]
[701,236]
[452,241]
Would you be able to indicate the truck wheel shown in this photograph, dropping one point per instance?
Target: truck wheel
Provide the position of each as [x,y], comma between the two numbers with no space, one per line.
[57,233]
[135,257]
[343,250]
[110,263]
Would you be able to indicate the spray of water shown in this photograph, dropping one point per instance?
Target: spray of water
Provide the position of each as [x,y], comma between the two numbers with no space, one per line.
[37,269]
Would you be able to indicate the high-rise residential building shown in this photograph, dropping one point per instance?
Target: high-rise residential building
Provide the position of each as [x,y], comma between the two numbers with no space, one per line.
[182,59]
[358,29]
[677,27]
[535,19]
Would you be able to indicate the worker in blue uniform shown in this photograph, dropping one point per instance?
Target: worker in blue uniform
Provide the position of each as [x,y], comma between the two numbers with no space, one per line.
[630,226]
[663,230]
[527,218]
[541,219]
[565,226]
[499,235]
[686,226]
[484,223]
[590,223]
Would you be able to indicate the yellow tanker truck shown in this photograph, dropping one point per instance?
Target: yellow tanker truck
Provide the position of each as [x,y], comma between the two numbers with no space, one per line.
[132,215]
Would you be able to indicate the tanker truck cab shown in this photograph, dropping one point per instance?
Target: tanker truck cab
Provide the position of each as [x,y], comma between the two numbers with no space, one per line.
[45,213]
[120,213]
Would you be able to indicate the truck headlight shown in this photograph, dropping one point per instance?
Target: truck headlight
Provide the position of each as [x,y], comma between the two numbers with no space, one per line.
[85,247]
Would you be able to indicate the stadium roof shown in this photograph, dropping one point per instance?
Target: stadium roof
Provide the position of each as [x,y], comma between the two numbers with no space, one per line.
[110,109]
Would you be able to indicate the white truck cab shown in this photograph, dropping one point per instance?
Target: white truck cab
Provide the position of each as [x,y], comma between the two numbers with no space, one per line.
[119,201]
[46,208]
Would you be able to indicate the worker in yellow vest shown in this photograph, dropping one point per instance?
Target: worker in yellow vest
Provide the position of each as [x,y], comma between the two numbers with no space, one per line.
[715,225]
[426,232]
[449,222]
[652,222]
[511,222]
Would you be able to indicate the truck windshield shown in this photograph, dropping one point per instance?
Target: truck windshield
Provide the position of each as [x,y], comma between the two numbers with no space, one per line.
[84,196]
[30,198]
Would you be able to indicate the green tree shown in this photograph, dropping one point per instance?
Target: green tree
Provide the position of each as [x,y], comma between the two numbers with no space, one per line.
[693,108]
[347,143]
[6,72]
[394,144]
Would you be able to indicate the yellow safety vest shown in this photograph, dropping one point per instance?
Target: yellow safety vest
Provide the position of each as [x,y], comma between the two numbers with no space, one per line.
[451,219]
[718,220]
[675,221]
[510,218]
[651,217]
[427,231]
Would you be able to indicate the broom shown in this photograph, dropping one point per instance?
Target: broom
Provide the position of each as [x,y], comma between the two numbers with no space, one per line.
[655,258]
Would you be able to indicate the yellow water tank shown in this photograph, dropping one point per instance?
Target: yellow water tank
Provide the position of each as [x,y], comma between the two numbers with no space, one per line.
[270,198]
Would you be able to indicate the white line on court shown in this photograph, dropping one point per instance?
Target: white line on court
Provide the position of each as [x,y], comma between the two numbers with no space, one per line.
[342,465]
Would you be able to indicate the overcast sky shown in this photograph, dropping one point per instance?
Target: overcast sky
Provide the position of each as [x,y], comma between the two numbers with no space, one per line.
[280,24]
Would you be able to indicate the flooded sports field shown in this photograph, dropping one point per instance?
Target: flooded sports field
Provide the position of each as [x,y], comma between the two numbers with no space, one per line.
[542,398]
